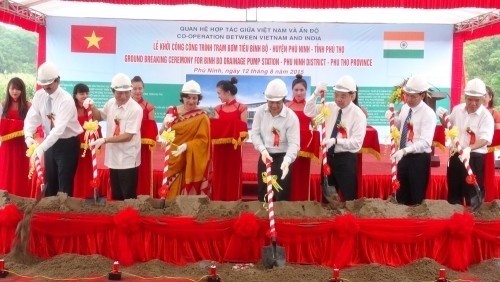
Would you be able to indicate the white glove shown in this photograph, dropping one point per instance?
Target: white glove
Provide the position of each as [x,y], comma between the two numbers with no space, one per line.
[441,111]
[320,88]
[398,155]
[88,103]
[265,156]
[388,114]
[284,169]
[39,152]
[97,143]
[465,154]
[180,149]
[329,142]
[168,119]
[29,141]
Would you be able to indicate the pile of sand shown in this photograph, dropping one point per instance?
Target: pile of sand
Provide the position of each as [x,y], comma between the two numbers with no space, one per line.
[202,208]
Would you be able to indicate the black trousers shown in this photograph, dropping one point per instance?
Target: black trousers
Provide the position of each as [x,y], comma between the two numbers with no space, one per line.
[124,183]
[61,161]
[344,174]
[282,195]
[456,174]
[413,175]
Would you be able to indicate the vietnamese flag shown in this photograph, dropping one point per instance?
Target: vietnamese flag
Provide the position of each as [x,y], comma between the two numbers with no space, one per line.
[93,39]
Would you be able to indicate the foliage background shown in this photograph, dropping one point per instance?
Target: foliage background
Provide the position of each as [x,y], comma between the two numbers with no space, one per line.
[18,51]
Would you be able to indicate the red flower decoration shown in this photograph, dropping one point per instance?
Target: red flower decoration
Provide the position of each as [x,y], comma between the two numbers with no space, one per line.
[326,169]
[247,226]
[395,185]
[342,130]
[95,183]
[410,131]
[471,179]
[127,220]
[347,226]
[163,192]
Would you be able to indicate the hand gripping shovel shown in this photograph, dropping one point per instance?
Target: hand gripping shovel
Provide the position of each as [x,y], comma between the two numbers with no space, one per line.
[272,255]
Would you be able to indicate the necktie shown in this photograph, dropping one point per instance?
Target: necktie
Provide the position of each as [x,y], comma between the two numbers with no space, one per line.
[335,131]
[404,134]
[48,110]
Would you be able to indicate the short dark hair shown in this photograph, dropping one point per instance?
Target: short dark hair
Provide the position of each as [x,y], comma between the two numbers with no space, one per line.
[229,85]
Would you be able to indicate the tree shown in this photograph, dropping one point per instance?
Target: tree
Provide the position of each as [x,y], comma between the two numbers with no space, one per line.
[482,60]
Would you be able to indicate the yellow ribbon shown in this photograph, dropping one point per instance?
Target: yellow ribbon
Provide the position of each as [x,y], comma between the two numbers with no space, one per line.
[168,136]
[274,181]
[323,114]
[29,152]
[91,128]
[395,135]
[451,133]
[12,135]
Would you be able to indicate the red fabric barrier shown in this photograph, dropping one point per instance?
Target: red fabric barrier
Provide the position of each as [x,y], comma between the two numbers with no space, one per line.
[456,242]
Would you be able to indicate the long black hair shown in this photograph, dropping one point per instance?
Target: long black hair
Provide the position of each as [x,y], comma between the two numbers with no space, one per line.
[18,84]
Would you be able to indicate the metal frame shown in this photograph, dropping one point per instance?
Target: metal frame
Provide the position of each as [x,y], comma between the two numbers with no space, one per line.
[478,22]
[23,12]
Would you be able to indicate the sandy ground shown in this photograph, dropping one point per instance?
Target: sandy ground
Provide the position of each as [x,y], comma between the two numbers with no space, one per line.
[71,265]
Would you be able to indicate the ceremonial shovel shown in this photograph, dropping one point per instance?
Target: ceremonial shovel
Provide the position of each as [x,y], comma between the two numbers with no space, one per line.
[272,255]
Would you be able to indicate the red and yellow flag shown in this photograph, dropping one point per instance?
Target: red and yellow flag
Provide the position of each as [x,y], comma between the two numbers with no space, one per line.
[93,39]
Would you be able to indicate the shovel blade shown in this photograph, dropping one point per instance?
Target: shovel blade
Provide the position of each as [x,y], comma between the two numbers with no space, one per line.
[43,187]
[477,200]
[272,257]
[96,200]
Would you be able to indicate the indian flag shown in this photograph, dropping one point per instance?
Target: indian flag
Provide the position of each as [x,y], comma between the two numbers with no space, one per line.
[406,44]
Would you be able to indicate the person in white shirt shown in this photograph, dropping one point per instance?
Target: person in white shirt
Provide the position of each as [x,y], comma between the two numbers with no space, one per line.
[346,128]
[275,134]
[417,123]
[123,150]
[55,110]
[475,132]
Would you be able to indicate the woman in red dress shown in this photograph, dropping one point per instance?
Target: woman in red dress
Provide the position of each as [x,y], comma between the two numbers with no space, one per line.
[301,173]
[228,130]
[14,164]
[83,185]
[149,131]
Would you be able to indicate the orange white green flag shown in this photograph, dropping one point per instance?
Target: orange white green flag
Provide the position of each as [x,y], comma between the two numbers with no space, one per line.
[404,44]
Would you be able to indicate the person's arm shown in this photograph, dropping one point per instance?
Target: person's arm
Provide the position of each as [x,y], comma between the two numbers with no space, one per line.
[255,134]
[293,138]
[33,118]
[244,113]
[311,109]
[65,113]
[151,111]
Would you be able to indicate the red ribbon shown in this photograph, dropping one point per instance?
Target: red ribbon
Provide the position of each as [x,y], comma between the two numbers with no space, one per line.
[163,192]
[326,169]
[395,185]
[472,136]
[342,131]
[410,131]
[471,179]
[276,134]
[116,132]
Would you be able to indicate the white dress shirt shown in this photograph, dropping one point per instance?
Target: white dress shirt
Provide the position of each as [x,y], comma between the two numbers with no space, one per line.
[65,120]
[480,122]
[123,155]
[287,124]
[353,119]
[424,122]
